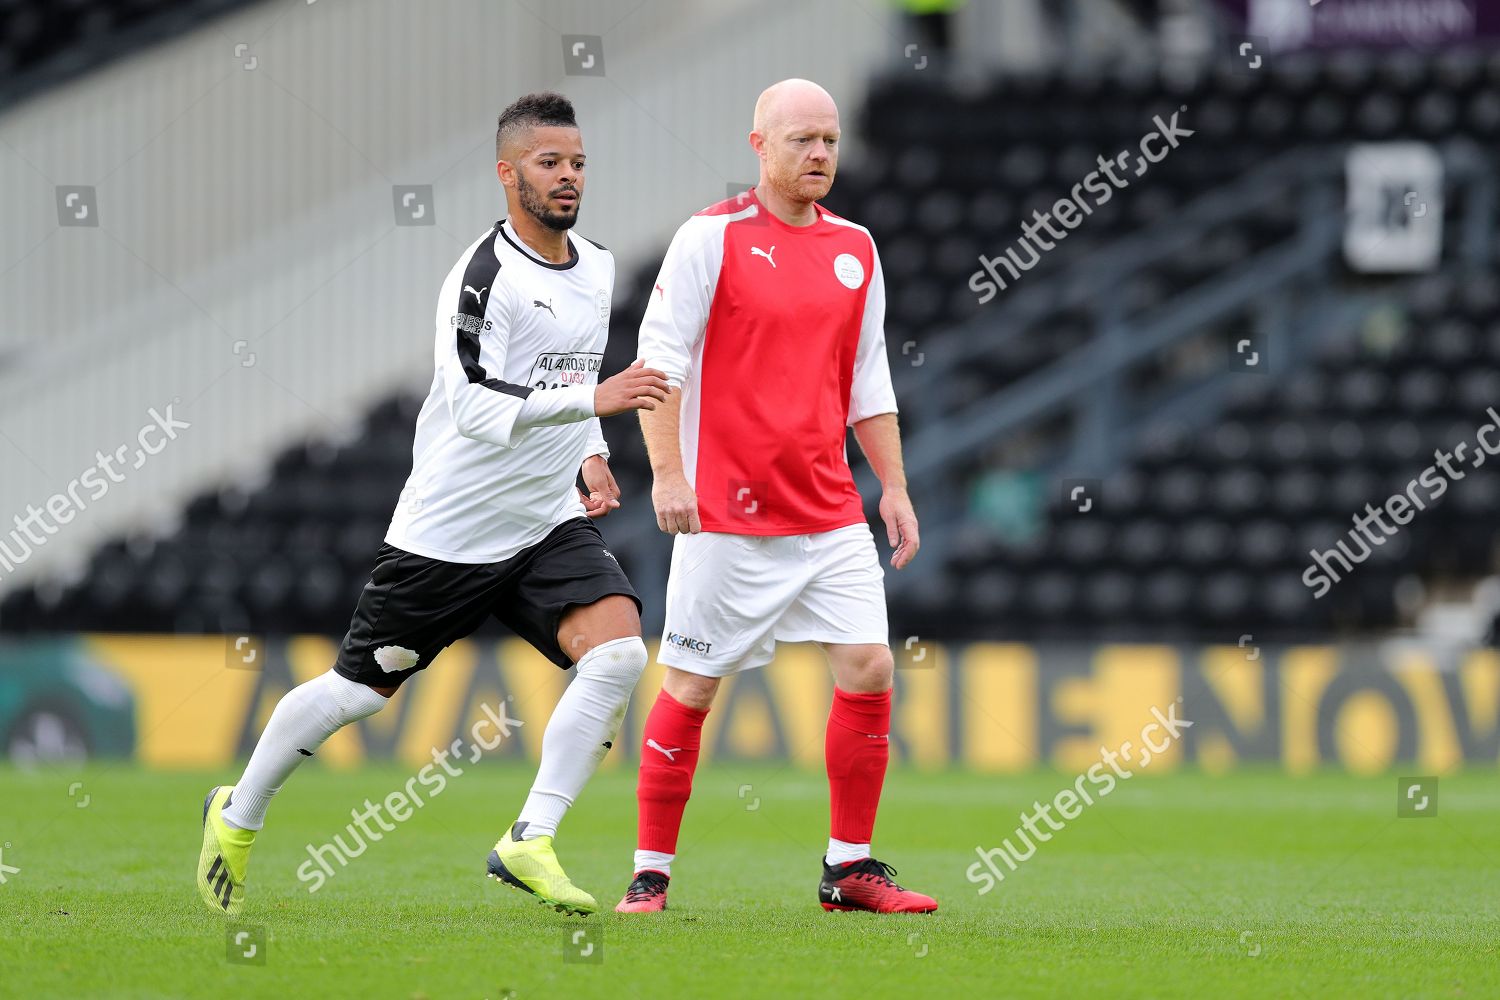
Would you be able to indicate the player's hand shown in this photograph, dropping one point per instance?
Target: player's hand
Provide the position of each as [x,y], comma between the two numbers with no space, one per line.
[635,388]
[900,526]
[676,506]
[604,493]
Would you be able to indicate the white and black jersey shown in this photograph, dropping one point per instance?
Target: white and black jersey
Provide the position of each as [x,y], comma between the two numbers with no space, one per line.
[510,415]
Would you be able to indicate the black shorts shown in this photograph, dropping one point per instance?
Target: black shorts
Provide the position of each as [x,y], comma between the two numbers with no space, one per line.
[414,607]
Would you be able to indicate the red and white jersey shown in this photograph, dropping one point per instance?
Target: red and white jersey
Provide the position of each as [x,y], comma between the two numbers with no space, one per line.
[776,336]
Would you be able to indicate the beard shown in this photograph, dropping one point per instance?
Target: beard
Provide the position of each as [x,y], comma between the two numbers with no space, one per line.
[535,206]
[794,187]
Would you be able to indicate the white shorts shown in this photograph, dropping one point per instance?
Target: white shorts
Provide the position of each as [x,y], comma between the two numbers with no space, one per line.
[730,598]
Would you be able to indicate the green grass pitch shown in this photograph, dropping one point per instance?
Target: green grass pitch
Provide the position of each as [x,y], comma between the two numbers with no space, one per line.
[1252,884]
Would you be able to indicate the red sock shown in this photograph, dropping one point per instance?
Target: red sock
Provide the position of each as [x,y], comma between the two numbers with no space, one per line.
[857,748]
[666,778]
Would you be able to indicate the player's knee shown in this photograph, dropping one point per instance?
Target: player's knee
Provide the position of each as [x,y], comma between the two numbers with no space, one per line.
[693,690]
[581,625]
[334,699]
[873,670]
[619,660]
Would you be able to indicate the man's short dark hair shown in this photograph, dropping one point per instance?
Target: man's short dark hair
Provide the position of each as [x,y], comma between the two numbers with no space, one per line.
[544,108]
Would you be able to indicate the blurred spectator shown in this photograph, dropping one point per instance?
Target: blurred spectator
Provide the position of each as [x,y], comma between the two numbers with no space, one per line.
[1010,502]
[930,24]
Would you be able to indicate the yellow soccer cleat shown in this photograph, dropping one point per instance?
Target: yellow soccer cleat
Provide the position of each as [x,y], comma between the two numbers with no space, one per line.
[531,866]
[225,856]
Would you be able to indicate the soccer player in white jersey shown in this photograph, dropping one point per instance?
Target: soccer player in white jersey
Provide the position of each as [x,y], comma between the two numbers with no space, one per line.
[491,521]
[769,315]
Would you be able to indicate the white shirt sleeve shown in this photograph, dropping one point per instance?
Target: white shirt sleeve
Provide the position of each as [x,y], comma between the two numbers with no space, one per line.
[677,309]
[871,393]
[563,405]
[486,408]
[597,445]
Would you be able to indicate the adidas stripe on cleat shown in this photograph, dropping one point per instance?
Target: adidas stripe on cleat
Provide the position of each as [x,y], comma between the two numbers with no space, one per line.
[224,857]
[532,867]
[221,887]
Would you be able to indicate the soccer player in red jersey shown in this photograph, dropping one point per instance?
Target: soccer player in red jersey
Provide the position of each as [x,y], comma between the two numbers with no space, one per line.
[768,319]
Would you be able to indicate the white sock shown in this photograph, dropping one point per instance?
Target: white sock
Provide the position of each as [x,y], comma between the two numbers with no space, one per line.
[842,852]
[656,861]
[304,718]
[587,719]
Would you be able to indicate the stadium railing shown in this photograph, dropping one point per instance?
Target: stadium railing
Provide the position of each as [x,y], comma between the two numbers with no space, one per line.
[1286,292]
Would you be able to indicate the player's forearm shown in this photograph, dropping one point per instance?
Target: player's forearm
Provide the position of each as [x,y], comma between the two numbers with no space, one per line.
[564,405]
[485,414]
[597,445]
[499,413]
[660,429]
[880,439]
[501,417]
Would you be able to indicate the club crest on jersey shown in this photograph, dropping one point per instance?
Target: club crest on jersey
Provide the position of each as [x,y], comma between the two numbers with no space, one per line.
[601,299]
[849,271]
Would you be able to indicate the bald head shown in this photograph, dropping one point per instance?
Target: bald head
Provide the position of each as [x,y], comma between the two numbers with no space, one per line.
[796,136]
[791,101]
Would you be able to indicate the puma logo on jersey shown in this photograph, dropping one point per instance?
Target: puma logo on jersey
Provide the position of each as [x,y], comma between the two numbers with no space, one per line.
[754,251]
[539,304]
[663,750]
[471,290]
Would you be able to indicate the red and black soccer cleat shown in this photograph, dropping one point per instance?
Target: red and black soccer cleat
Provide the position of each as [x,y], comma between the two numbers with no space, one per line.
[866,885]
[647,894]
